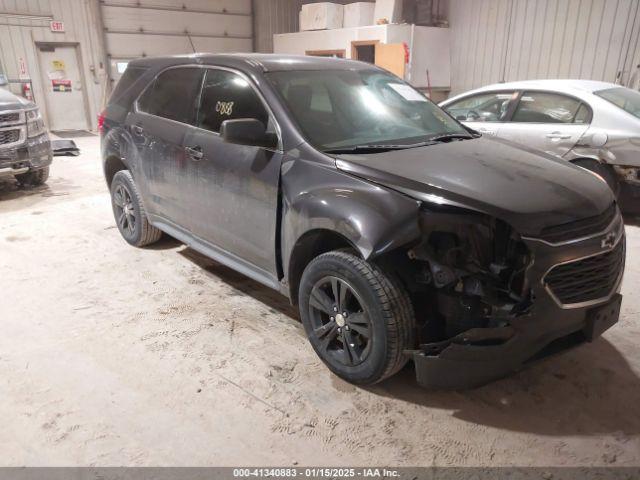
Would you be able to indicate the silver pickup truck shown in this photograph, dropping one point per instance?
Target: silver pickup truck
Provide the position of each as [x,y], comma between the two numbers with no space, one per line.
[25,148]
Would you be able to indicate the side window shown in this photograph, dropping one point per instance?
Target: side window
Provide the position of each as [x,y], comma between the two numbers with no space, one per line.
[484,107]
[127,87]
[173,95]
[543,107]
[583,115]
[228,96]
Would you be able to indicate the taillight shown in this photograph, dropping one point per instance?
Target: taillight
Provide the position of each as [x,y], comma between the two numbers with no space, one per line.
[101,122]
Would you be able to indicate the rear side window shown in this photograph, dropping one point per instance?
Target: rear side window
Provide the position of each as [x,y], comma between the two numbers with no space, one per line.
[173,95]
[227,96]
[544,107]
[484,107]
[624,98]
[127,87]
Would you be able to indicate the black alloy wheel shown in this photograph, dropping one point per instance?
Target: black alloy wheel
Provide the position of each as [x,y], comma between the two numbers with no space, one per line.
[358,317]
[129,212]
[340,321]
[124,210]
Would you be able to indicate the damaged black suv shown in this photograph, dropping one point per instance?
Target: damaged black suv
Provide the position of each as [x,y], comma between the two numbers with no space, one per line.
[400,234]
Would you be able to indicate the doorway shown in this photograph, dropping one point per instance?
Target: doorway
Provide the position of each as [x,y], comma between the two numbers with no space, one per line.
[325,53]
[63,86]
[364,50]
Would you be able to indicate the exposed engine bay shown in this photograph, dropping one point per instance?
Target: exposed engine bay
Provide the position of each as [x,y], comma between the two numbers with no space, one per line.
[467,273]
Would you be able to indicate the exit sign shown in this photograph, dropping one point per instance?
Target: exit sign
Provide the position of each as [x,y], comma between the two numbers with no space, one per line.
[56,26]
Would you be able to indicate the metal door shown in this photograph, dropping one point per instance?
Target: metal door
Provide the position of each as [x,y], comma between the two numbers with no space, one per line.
[233,188]
[555,139]
[548,121]
[63,87]
[158,125]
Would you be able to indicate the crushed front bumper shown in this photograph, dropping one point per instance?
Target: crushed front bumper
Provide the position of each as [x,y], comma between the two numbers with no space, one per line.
[479,356]
[461,365]
[34,154]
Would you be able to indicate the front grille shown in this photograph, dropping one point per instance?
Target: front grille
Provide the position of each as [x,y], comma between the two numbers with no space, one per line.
[9,118]
[581,228]
[9,136]
[589,279]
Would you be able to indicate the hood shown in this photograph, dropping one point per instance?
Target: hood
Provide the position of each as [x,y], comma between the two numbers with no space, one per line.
[526,188]
[9,101]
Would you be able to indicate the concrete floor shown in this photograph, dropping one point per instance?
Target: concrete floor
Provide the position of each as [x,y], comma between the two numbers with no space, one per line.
[111,355]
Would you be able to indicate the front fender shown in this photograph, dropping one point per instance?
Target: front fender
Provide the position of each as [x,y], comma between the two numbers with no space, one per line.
[317,196]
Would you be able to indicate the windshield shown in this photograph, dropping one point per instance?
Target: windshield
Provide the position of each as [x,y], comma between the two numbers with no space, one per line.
[342,109]
[626,99]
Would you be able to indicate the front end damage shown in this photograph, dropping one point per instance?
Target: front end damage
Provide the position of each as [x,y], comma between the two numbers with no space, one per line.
[483,304]
[629,195]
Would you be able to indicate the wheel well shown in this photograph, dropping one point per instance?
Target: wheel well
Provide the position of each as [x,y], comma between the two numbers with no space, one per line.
[112,166]
[308,247]
[585,160]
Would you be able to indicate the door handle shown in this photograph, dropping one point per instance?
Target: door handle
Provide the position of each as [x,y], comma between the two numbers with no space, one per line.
[194,152]
[487,131]
[137,129]
[558,136]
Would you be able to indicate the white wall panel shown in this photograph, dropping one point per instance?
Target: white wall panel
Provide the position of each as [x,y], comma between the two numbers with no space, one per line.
[138,28]
[131,45]
[504,40]
[211,6]
[127,19]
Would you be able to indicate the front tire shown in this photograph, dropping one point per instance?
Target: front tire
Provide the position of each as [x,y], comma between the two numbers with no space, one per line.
[358,318]
[34,178]
[129,211]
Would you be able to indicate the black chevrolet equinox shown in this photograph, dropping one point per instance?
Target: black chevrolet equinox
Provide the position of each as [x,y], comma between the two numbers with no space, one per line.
[399,233]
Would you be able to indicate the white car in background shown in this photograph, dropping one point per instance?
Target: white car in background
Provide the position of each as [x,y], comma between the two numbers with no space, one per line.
[593,124]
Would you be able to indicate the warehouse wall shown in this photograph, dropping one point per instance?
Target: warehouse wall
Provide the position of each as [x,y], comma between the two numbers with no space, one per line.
[505,40]
[277,16]
[108,33]
[25,22]
[138,28]
[282,16]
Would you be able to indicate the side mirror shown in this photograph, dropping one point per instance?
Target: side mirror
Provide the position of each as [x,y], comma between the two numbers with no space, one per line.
[248,131]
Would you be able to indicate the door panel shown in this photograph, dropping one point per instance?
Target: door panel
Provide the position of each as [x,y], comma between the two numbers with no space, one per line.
[548,121]
[551,138]
[163,165]
[233,188]
[165,113]
[391,57]
[64,87]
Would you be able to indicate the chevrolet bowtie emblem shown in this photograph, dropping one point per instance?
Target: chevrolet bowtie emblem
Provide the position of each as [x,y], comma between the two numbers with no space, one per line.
[608,241]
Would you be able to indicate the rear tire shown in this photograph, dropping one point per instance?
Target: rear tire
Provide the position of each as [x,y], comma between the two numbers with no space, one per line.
[129,212]
[605,171]
[34,178]
[358,318]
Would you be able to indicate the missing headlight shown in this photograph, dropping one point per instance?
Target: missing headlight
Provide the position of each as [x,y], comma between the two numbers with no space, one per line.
[472,269]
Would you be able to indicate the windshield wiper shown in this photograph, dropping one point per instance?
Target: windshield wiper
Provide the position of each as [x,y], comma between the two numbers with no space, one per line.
[451,136]
[376,148]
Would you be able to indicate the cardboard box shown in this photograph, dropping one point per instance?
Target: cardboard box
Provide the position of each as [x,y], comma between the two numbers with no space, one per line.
[389,10]
[321,16]
[359,14]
